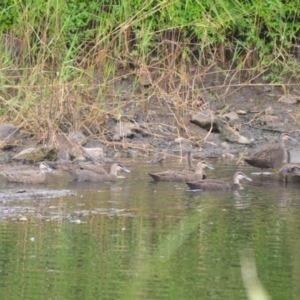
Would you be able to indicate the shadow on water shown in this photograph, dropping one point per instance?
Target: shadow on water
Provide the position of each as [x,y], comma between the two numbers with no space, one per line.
[136,239]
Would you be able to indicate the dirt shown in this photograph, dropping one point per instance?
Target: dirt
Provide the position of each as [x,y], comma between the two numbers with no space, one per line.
[261,118]
[163,127]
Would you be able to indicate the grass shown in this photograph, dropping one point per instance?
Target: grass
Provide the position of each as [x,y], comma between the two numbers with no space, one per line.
[68,66]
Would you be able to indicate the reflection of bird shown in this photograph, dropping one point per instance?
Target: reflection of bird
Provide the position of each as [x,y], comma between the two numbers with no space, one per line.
[182,176]
[218,185]
[28,176]
[95,173]
[271,156]
[289,173]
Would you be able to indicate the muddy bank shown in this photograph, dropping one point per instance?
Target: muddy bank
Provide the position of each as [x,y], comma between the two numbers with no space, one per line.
[249,117]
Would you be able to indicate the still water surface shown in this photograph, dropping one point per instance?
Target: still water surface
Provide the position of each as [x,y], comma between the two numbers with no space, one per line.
[136,239]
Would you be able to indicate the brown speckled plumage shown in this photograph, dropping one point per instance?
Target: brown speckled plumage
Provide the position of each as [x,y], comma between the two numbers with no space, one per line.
[28,176]
[270,156]
[95,173]
[182,176]
[218,185]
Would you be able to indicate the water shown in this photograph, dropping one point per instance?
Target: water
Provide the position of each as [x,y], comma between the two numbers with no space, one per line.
[136,239]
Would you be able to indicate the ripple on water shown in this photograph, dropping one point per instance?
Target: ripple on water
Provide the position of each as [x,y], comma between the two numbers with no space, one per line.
[139,240]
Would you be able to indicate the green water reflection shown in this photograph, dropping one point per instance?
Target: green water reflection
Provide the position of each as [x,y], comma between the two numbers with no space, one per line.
[139,240]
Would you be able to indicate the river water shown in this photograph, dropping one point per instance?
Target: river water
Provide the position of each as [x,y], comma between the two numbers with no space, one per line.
[136,239]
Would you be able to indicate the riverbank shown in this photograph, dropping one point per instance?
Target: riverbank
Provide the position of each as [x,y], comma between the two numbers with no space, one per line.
[223,120]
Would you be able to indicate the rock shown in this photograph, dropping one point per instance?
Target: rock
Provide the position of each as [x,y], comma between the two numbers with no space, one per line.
[144,77]
[123,130]
[205,119]
[116,137]
[269,110]
[231,135]
[63,155]
[9,136]
[228,156]
[254,110]
[267,119]
[37,154]
[184,143]
[77,153]
[233,119]
[241,112]
[78,137]
[131,153]
[232,116]
[8,131]
[289,99]
[95,152]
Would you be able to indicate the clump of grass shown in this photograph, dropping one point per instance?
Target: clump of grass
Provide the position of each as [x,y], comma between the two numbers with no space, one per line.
[64,64]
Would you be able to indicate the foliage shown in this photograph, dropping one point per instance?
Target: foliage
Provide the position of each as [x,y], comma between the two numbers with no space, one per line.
[49,46]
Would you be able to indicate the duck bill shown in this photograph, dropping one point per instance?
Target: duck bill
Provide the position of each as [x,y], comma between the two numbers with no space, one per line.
[293,140]
[49,169]
[247,178]
[209,167]
[125,170]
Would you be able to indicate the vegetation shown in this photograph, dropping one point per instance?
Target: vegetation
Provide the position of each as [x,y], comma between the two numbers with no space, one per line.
[66,64]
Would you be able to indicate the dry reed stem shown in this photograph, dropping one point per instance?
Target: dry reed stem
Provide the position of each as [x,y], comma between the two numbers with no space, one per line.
[176,88]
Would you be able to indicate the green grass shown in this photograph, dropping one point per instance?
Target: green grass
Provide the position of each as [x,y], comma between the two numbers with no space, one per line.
[64,62]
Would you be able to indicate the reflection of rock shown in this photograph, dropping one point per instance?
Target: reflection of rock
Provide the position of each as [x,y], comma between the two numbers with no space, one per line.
[289,173]
[34,194]
[37,154]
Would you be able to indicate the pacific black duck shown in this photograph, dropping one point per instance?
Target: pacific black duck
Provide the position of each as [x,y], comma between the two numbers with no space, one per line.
[95,173]
[182,176]
[28,176]
[271,156]
[218,185]
[289,173]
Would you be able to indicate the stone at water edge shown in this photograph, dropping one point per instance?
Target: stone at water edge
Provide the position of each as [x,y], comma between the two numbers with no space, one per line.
[37,154]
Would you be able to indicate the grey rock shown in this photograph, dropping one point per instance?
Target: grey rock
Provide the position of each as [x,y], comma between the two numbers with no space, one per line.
[78,137]
[37,154]
[230,134]
[123,130]
[232,119]
[205,119]
[8,131]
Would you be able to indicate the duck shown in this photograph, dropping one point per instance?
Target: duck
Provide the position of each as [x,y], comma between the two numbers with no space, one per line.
[28,176]
[93,167]
[218,185]
[289,173]
[95,173]
[182,176]
[270,157]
